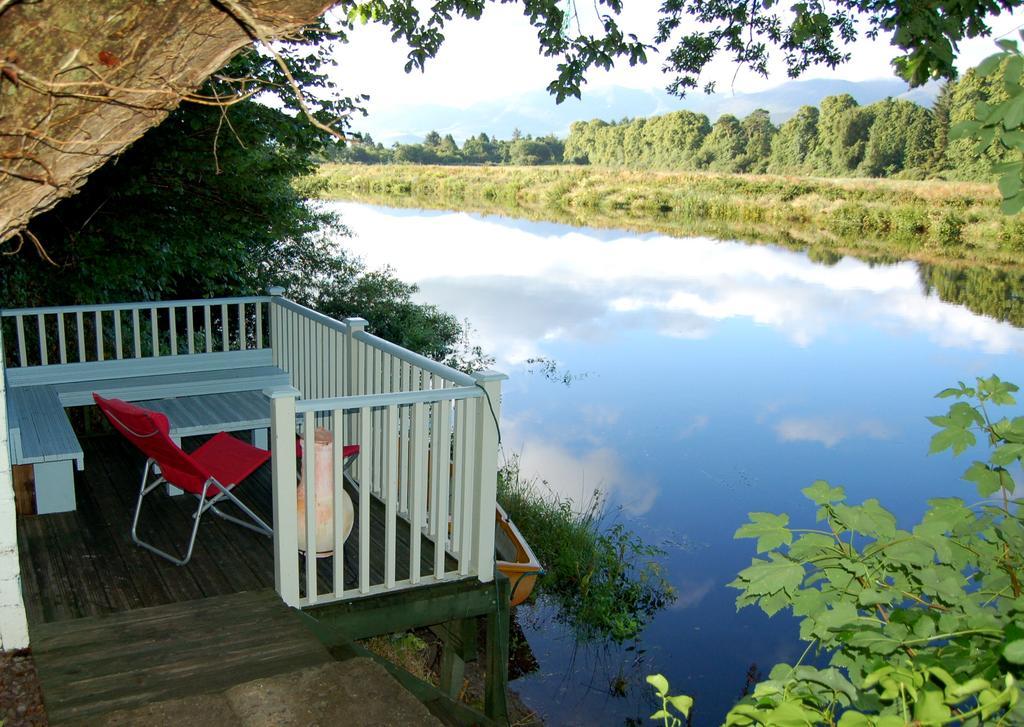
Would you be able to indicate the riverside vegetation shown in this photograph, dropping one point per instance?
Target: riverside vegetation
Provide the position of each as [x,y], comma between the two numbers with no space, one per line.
[880,220]
[604,580]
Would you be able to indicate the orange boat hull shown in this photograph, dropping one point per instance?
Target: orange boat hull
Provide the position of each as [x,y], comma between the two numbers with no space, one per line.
[515,558]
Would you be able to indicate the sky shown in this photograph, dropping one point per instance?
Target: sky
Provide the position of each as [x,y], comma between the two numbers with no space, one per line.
[496,58]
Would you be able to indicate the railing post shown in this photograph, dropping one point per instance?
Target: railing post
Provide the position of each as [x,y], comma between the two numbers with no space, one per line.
[353,325]
[13,625]
[286,536]
[485,455]
[274,291]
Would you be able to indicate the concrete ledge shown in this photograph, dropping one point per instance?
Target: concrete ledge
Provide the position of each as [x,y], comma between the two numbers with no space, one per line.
[354,693]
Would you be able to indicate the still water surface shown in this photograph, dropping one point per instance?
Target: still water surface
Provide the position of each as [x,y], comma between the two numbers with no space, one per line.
[714,378]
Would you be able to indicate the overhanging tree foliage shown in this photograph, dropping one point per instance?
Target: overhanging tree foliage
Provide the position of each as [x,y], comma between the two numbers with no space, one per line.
[80,81]
[207,204]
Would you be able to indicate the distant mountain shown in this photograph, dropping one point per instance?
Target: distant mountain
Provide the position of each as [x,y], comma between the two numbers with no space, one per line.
[537,113]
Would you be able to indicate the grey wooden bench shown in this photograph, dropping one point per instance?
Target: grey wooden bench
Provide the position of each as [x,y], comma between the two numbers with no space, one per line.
[200,393]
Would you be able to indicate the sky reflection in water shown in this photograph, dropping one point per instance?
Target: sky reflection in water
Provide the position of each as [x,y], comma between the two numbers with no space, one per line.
[721,378]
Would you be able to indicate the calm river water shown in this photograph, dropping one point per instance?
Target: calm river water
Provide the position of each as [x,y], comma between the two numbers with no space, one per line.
[714,378]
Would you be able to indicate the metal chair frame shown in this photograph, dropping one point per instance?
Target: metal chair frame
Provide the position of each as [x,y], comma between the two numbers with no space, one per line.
[205,504]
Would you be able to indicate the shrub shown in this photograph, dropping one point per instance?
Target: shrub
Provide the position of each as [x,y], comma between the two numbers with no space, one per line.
[922,626]
[848,219]
[909,222]
[948,231]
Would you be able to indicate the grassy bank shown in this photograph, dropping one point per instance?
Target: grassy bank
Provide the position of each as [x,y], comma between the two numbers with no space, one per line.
[878,220]
[605,580]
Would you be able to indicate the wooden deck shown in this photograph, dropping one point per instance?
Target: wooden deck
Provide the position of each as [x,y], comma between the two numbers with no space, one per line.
[99,664]
[83,563]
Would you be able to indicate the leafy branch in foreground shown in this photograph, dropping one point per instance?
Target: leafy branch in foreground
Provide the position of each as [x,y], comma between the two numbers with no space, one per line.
[922,626]
[998,122]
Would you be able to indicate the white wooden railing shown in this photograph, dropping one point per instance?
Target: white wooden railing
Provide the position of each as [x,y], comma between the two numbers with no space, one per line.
[427,433]
[428,443]
[80,333]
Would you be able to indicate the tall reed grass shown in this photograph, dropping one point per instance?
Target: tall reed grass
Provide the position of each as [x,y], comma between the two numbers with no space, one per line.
[605,581]
[879,220]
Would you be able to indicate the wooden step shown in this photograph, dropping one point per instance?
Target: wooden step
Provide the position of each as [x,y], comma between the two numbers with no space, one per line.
[98,664]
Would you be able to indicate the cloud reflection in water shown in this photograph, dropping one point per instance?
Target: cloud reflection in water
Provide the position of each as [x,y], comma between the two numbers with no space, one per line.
[576,476]
[557,282]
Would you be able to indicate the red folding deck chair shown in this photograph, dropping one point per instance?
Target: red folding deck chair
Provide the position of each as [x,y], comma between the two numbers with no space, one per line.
[210,473]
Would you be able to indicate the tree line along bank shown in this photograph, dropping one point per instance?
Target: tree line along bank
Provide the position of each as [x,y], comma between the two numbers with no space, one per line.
[840,138]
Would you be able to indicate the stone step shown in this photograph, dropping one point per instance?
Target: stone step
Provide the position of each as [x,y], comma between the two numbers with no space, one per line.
[355,693]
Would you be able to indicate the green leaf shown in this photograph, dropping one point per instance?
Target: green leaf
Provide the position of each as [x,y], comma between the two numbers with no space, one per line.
[997,390]
[1007,454]
[809,602]
[1012,73]
[912,552]
[971,686]
[963,414]
[870,518]
[660,714]
[876,676]
[985,477]
[831,678]
[1013,652]
[811,546]
[990,64]
[840,617]
[1014,430]
[924,628]
[1010,185]
[874,641]
[823,494]
[765,577]
[793,714]
[1013,205]
[871,597]
[659,683]
[745,714]
[964,129]
[947,512]
[931,708]
[1011,139]
[682,703]
[943,582]
[952,437]
[1006,167]
[774,603]
[854,719]
[770,530]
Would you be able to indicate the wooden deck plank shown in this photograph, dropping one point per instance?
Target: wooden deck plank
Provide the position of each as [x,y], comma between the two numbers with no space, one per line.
[113,571]
[33,583]
[97,664]
[90,596]
[82,563]
[116,490]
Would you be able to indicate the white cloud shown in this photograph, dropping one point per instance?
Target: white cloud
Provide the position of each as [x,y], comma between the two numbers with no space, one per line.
[576,475]
[690,593]
[694,425]
[830,431]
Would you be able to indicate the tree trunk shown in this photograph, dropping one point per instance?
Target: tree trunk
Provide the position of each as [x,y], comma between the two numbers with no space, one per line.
[81,80]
